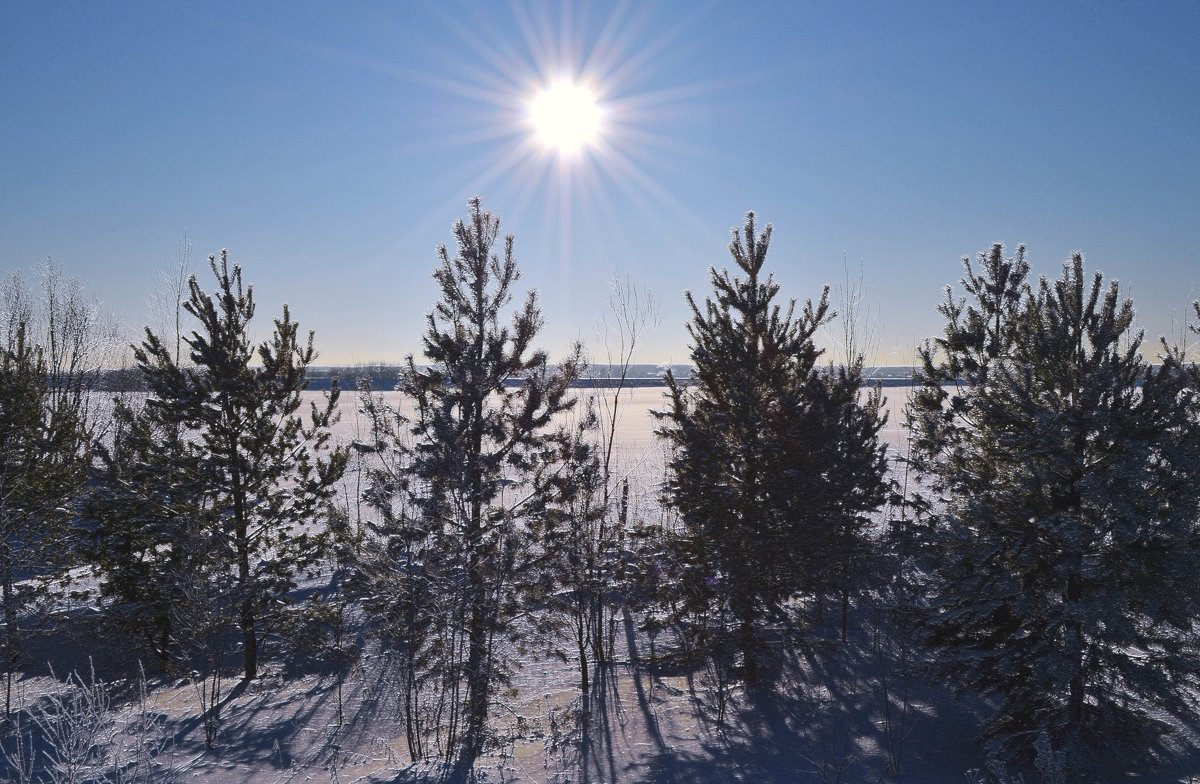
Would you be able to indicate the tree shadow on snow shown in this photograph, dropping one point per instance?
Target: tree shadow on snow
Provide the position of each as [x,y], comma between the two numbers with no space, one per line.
[817,715]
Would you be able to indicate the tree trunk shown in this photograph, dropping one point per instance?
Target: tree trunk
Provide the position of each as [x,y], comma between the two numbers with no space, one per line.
[478,669]
[1075,642]
[743,610]
[478,677]
[11,634]
[845,612]
[581,642]
[1075,588]
[164,643]
[246,613]
[242,532]
[749,652]
[249,641]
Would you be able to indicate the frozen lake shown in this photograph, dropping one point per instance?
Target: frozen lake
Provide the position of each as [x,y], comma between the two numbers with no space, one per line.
[635,423]
[638,454]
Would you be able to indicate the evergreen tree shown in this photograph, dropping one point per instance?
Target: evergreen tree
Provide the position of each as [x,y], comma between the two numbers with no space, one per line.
[776,464]
[483,459]
[577,578]
[219,458]
[153,529]
[1064,524]
[46,371]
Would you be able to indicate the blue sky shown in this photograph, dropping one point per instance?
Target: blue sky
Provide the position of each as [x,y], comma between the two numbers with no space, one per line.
[330,147]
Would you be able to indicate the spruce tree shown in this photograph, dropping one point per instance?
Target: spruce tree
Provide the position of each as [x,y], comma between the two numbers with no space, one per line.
[220,457]
[776,463]
[484,455]
[1063,516]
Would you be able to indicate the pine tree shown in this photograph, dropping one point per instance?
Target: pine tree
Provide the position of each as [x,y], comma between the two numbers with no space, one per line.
[776,463]
[47,367]
[483,458]
[577,577]
[220,455]
[1064,517]
[153,530]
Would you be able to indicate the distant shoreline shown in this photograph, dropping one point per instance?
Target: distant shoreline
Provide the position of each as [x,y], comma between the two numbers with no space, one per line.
[384,378]
[388,383]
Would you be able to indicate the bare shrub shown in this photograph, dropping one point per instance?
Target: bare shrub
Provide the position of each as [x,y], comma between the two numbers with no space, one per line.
[75,736]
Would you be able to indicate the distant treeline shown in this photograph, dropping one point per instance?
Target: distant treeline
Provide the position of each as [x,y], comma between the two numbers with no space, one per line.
[384,378]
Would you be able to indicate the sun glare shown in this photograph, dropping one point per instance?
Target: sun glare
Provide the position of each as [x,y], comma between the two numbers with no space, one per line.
[565,116]
[569,119]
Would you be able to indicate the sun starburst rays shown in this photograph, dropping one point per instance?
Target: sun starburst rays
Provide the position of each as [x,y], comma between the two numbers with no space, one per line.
[563,118]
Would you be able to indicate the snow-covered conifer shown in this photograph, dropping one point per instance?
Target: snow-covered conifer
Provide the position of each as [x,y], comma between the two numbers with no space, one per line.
[240,469]
[1064,512]
[50,352]
[776,462]
[484,458]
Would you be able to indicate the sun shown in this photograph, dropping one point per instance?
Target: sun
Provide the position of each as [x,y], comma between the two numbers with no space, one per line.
[575,118]
[565,116]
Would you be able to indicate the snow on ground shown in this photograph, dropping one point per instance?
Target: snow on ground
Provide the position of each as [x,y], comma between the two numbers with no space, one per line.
[654,713]
[654,721]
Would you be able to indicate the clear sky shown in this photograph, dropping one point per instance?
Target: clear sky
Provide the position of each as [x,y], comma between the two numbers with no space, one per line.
[330,146]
